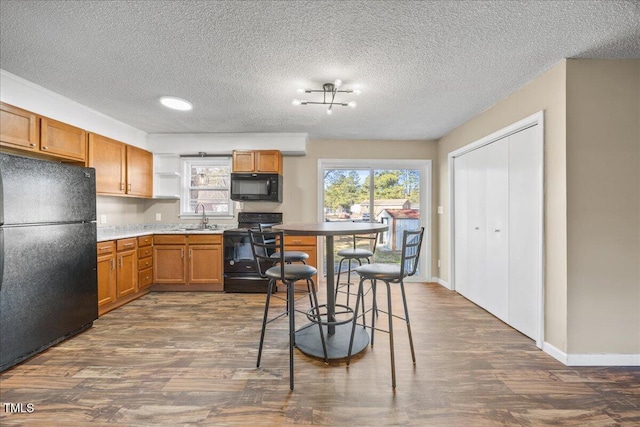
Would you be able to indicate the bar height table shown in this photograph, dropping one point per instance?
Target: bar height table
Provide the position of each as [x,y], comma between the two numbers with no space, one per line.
[338,336]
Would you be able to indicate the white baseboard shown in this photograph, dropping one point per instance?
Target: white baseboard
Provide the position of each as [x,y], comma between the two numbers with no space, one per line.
[440,282]
[603,359]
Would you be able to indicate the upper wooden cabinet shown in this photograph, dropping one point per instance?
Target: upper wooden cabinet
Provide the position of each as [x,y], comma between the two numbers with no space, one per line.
[139,172]
[26,131]
[108,157]
[258,161]
[121,169]
[63,140]
[19,128]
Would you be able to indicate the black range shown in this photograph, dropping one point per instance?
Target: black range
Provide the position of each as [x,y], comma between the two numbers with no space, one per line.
[240,273]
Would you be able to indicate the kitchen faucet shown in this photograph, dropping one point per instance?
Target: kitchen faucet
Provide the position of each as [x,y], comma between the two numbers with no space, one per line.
[204,216]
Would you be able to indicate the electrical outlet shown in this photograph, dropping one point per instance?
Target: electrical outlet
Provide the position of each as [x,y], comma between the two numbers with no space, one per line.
[438,263]
[440,210]
[158,217]
[103,219]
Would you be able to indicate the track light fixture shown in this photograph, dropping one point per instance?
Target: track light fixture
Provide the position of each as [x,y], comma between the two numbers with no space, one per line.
[329,91]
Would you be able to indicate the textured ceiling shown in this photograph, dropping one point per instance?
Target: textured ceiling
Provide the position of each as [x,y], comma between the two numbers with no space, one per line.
[424,67]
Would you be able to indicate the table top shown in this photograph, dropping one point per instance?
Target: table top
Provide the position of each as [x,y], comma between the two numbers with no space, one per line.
[330,228]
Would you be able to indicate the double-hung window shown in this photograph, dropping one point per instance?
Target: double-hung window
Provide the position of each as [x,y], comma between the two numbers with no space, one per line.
[206,181]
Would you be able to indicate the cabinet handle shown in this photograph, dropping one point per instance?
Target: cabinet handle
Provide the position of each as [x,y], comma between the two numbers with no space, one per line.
[190,253]
[497,230]
[106,248]
[182,253]
[129,185]
[45,148]
[113,264]
[32,145]
[128,245]
[120,261]
[477,228]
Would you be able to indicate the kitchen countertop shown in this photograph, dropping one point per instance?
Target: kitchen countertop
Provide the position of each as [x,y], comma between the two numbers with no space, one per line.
[135,230]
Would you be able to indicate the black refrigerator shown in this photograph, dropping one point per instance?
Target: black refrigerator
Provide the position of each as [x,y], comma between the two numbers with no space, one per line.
[48,276]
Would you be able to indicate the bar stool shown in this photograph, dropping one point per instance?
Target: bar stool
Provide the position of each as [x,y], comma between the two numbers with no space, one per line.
[389,273]
[288,274]
[355,254]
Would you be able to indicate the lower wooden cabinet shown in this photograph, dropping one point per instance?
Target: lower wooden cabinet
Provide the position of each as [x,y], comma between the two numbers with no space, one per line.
[106,273]
[187,262]
[308,244]
[126,267]
[122,275]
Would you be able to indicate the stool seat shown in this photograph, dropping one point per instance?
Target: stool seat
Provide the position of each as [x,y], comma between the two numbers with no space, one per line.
[292,256]
[355,253]
[376,271]
[292,272]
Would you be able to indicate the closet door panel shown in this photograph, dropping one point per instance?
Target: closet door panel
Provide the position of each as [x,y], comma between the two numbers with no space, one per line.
[461,224]
[476,226]
[525,194]
[496,289]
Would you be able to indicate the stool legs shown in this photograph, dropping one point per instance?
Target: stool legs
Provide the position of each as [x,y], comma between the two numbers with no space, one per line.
[406,316]
[264,320]
[390,326]
[292,330]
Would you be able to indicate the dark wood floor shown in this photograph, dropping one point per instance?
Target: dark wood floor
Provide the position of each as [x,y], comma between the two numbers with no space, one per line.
[189,359]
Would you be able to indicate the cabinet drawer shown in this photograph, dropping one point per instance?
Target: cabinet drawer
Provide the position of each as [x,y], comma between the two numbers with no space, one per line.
[144,252]
[144,241]
[169,239]
[145,263]
[105,248]
[205,238]
[126,244]
[300,240]
[145,278]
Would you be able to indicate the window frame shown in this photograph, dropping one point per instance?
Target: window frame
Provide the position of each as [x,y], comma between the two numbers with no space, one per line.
[185,196]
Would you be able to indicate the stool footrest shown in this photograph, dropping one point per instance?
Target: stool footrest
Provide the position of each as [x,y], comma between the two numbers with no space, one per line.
[344,314]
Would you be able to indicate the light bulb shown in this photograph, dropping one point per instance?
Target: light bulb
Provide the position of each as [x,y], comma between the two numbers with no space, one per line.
[338,83]
[300,90]
[357,91]
[296,102]
[352,104]
[329,112]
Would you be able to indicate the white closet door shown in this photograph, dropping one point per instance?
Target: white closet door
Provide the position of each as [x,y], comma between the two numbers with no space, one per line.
[461,241]
[525,195]
[495,295]
[476,226]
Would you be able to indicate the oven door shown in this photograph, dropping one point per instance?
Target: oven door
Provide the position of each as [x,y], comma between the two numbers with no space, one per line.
[240,270]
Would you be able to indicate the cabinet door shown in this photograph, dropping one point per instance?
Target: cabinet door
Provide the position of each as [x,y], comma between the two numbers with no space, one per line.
[169,264]
[243,161]
[205,264]
[107,156]
[106,279]
[139,172]
[18,128]
[127,277]
[62,140]
[268,161]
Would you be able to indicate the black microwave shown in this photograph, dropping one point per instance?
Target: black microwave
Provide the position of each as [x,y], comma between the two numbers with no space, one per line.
[265,187]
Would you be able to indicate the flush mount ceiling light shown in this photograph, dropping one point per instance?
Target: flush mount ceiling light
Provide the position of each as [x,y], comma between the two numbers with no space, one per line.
[329,91]
[176,103]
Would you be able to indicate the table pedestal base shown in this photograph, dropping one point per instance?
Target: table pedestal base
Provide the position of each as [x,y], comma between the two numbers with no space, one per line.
[308,341]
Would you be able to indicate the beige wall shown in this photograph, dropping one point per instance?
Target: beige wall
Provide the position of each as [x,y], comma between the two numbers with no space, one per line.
[603,212]
[547,92]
